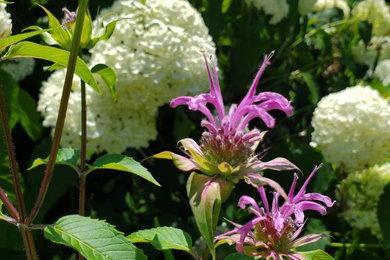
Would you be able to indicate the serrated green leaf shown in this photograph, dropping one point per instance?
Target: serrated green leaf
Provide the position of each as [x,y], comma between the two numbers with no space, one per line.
[17,38]
[65,156]
[29,116]
[56,55]
[164,238]
[205,194]
[239,256]
[123,163]
[383,212]
[108,75]
[316,255]
[94,239]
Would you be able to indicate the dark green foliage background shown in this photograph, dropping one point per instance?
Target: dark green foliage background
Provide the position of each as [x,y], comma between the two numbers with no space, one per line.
[303,71]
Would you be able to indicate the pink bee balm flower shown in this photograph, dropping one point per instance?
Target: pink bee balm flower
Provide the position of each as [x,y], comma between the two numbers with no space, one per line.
[274,232]
[227,148]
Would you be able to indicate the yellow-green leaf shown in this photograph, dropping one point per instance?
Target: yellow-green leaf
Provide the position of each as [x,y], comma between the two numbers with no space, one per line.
[56,55]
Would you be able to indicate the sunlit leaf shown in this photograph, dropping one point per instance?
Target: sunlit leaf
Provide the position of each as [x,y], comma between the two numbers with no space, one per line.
[164,238]
[65,156]
[122,163]
[94,239]
[108,76]
[17,38]
[56,55]
[316,255]
[108,31]
[226,5]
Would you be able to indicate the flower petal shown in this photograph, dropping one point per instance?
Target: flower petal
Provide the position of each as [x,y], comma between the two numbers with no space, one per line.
[256,180]
[181,162]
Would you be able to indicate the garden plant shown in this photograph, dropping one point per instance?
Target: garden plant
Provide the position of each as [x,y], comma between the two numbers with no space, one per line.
[195,129]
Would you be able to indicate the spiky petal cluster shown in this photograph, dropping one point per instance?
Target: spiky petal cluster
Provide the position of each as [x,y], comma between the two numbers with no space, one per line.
[226,147]
[274,232]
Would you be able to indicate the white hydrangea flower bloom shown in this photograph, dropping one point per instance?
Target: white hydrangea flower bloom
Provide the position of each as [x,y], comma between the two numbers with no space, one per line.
[352,127]
[19,68]
[368,54]
[382,71]
[326,4]
[5,18]
[375,12]
[155,52]
[361,192]
[277,8]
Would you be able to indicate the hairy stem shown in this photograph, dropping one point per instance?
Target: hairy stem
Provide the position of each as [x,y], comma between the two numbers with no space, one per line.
[8,204]
[21,214]
[62,111]
[12,158]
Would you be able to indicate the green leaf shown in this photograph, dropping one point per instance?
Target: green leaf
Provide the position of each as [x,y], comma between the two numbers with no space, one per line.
[65,156]
[108,75]
[313,87]
[239,256]
[122,163]
[143,2]
[94,239]
[205,194]
[56,55]
[226,5]
[108,31]
[18,37]
[29,116]
[164,238]
[383,212]
[316,255]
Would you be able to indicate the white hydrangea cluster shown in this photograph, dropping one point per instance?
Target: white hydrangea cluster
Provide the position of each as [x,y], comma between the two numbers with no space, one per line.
[155,52]
[361,192]
[375,12]
[278,9]
[19,68]
[5,18]
[382,72]
[308,6]
[352,128]
[326,4]
[368,54]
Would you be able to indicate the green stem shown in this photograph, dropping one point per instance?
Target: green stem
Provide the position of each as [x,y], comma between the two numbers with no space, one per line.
[206,253]
[360,245]
[28,241]
[62,111]
[83,150]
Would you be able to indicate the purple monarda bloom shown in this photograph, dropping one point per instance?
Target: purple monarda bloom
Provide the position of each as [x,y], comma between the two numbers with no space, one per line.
[274,232]
[69,18]
[227,148]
